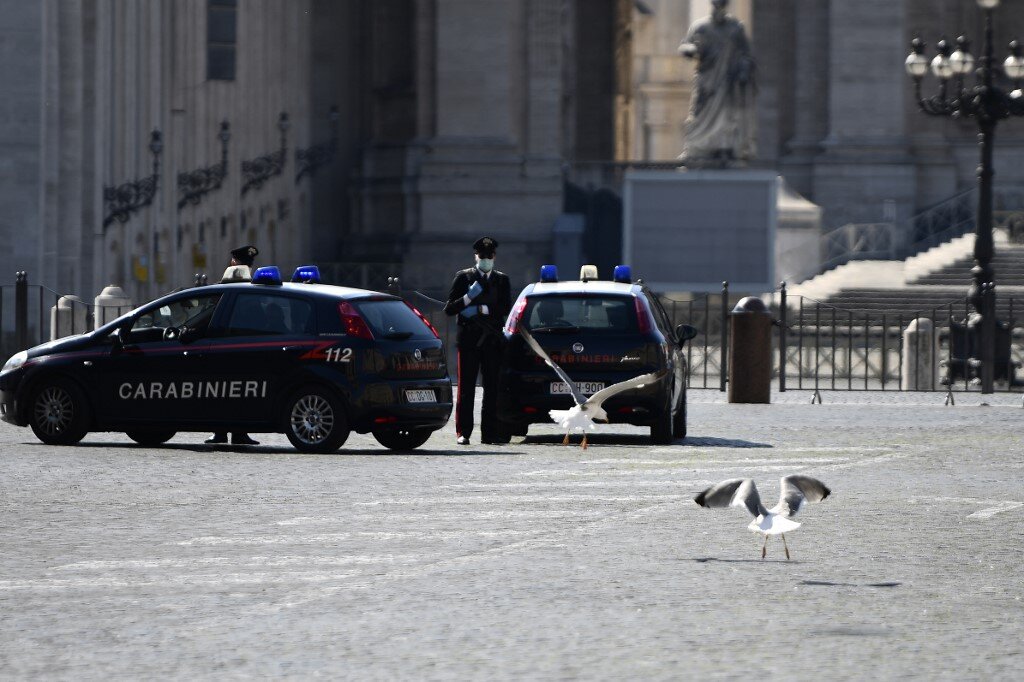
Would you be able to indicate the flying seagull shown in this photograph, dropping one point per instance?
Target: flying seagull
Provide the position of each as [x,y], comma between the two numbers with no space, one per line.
[581,416]
[741,492]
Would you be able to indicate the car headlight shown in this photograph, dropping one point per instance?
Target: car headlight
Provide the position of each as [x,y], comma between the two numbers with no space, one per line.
[16,361]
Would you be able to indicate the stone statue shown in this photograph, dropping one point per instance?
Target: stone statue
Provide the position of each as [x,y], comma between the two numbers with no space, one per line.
[720,127]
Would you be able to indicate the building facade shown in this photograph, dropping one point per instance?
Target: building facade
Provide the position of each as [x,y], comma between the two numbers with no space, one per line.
[118,166]
[455,118]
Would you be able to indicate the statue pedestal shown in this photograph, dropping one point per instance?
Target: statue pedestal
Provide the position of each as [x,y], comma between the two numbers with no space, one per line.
[690,230]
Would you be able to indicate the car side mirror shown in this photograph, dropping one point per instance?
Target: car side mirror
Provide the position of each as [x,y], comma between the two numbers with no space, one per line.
[684,333]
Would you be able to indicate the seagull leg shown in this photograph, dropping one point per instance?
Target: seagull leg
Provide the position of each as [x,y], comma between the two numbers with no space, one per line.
[784,545]
[584,443]
[764,547]
[565,441]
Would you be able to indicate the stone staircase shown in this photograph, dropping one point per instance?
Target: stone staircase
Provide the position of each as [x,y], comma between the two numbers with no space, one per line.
[934,302]
[933,284]
[1008,263]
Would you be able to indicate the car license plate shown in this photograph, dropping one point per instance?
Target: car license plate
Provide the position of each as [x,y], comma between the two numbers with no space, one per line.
[421,396]
[584,387]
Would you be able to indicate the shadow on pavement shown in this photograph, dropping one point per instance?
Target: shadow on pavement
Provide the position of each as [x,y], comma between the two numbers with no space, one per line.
[288,450]
[638,439]
[709,559]
[708,442]
[828,583]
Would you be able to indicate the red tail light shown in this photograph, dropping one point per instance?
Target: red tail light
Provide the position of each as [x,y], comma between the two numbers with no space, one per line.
[425,320]
[517,315]
[643,319]
[353,322]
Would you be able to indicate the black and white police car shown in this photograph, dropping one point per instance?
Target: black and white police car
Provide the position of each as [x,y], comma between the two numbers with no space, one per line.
[309,360]
[600,333]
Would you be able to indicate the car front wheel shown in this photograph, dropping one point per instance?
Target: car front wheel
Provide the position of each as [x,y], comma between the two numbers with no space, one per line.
[315,421]
[59,413]
[402,439]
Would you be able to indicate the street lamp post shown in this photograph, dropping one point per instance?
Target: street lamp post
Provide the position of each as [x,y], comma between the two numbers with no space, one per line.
[987,103]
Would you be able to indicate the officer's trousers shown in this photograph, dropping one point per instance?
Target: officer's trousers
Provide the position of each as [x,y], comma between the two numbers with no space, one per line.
[483,358]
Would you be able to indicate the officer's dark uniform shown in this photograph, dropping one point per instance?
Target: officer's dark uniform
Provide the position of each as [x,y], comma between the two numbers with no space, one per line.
[243,255]
[480,342]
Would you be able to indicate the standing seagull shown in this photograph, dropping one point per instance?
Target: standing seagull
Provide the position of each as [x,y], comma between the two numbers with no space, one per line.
[741,492]
[586,411]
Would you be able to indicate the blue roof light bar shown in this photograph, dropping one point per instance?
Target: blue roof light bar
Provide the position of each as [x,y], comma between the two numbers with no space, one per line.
[268,274]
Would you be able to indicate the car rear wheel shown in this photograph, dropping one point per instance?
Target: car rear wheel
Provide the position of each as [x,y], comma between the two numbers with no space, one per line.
[402,439]
[661,430]
[153,437]
[679,421]
[59,413]
[315,421]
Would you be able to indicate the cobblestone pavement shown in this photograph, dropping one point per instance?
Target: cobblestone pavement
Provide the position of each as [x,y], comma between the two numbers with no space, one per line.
[531,560]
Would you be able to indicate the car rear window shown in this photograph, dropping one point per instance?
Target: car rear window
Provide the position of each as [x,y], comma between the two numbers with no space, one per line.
[393,320]
[589,313]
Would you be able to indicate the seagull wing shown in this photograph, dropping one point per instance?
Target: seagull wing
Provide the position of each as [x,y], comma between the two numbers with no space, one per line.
[615,389]
[736,492]
[798,491]
[532,342]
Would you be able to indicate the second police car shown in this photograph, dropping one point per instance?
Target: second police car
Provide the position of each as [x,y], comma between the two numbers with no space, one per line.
[312,361]
[600,333]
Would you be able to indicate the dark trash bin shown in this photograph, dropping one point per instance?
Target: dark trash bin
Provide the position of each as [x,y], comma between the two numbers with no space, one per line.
[750,351]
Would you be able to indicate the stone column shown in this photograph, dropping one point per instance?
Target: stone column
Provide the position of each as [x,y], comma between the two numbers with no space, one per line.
[662,79]
[810,95]
[492,165]
[866,160]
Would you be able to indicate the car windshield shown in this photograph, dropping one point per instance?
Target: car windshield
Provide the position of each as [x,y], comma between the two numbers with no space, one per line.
[390,319]
[592,313]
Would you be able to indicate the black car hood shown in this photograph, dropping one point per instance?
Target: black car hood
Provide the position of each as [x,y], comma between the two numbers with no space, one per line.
[64,345]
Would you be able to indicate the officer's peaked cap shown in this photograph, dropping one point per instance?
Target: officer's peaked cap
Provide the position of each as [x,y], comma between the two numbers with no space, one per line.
[245,255]
[485,246]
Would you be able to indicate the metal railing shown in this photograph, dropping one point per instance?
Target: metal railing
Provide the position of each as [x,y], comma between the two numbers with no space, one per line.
[821,346]
[27,316]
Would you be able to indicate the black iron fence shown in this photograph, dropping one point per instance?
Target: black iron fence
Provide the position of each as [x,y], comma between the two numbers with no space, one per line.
[820,346]
[27,317]
[815,345]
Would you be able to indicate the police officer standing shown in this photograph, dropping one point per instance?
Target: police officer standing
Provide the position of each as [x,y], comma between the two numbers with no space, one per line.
[238,270]
[482,298]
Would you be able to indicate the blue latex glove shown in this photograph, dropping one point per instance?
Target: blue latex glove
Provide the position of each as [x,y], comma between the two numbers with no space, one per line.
[469,311]
[474,290]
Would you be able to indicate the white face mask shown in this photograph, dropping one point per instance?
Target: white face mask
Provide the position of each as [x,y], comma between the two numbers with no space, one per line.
[485,264]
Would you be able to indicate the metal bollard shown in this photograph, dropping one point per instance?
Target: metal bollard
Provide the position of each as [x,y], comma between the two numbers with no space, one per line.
[110,304]
[68,317]
[920,356]
[394,286]
[21,309]
[750,352]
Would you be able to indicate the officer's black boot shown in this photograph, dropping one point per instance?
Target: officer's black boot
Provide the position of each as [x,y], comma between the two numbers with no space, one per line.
[239,438]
